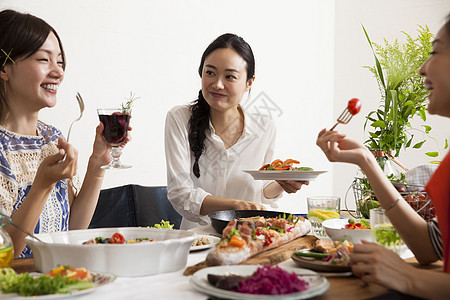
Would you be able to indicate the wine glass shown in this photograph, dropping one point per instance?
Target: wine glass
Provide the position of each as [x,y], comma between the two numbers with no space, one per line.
[115,131]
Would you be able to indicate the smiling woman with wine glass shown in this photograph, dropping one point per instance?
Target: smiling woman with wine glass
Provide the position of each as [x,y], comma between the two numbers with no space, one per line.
[428,241]
[35,189]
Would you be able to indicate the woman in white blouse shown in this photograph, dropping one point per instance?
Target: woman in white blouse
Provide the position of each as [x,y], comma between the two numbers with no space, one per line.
[210,142]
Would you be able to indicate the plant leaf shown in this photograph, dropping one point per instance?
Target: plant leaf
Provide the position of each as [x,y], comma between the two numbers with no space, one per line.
[427,129]
[394,113]
[379,123]
[422,114]
[418,145]
[377,63]
[432,154]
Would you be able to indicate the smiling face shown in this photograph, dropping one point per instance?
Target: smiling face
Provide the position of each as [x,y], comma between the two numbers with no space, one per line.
[224,79]
[436,71]
[32,82]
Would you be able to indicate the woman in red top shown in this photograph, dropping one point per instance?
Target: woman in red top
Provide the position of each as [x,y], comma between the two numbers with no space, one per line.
[374,263]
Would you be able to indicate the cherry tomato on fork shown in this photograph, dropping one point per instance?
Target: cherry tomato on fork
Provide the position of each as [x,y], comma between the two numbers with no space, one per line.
[117,238]
[354,106]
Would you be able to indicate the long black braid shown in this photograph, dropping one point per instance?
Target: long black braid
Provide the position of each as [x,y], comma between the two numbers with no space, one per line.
[198,126]
[199,121]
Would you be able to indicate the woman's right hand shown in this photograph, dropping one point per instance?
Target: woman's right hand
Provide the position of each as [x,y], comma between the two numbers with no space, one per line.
[337,148]
[247,205]
[52,169]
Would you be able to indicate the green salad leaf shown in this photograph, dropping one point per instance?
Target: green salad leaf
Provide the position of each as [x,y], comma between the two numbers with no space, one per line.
[26,285]
[304,169]
[163,225]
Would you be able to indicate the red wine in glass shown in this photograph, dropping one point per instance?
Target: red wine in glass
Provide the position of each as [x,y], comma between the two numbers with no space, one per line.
[115,133]
[116,127]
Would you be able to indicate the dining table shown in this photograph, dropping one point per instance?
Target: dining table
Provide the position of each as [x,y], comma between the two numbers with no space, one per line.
[176,285]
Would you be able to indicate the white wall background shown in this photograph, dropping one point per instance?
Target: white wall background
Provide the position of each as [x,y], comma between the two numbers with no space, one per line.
[308,61]
[382,19]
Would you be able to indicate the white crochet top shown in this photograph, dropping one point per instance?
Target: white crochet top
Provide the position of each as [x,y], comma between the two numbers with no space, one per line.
[20,157]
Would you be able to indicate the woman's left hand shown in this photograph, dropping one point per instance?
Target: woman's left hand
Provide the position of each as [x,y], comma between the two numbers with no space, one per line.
[377,264]
[102,149]
[291,186]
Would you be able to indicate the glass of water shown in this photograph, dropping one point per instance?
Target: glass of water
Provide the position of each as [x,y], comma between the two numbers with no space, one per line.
[321,208]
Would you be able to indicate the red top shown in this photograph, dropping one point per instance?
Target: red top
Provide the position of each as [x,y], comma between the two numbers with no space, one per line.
[439,190]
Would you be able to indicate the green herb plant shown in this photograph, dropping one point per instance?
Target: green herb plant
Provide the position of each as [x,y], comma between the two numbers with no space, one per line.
[402,91]
[127,106]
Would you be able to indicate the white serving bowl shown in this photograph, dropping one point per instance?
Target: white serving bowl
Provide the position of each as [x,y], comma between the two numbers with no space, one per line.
[167,254]
[334,229]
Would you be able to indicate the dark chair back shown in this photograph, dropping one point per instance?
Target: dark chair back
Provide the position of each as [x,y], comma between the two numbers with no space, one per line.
[134,205]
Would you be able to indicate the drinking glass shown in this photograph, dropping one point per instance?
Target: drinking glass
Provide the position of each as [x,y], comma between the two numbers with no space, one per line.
[115,132]
[383,231]
[6,245]
[322,208]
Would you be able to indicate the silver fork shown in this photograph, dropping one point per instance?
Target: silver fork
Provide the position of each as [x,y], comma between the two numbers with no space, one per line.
[344,118]
[81,105]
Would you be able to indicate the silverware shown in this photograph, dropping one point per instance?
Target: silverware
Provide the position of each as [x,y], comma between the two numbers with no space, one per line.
[81,105]
[344,118]
[6,220]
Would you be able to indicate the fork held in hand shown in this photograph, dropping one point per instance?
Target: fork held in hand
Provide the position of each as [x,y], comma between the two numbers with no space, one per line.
[81,105]
[344,118]
[353,107]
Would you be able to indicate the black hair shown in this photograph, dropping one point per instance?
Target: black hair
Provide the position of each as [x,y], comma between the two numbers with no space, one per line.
[21,35]
[447,25]
[199,121]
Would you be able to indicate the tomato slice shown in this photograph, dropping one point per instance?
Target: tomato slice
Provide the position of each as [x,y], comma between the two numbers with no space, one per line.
[117,238]
[281,168]
[354,106]
[81,273]
[264,167]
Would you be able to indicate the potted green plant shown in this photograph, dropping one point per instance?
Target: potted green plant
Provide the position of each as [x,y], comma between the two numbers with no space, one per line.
[403,98]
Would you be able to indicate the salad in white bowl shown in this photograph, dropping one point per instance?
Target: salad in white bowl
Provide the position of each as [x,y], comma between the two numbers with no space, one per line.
[353,230]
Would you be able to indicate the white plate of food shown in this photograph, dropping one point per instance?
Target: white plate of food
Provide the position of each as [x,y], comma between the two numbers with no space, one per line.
[284,175]
[316,284]
[100,280]
[317,263]
[204,242]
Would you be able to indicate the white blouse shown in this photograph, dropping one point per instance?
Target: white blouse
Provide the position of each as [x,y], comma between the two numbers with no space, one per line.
[221,172]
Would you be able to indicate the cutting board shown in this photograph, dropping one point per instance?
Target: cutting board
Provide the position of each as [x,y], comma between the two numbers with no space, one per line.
[269,257]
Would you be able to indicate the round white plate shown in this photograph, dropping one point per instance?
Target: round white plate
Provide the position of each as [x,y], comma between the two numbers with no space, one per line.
[212,239]
[284,175]
[199,281]
[100,279]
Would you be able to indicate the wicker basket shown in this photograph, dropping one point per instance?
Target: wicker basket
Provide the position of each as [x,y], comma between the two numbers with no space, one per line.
[416,196]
